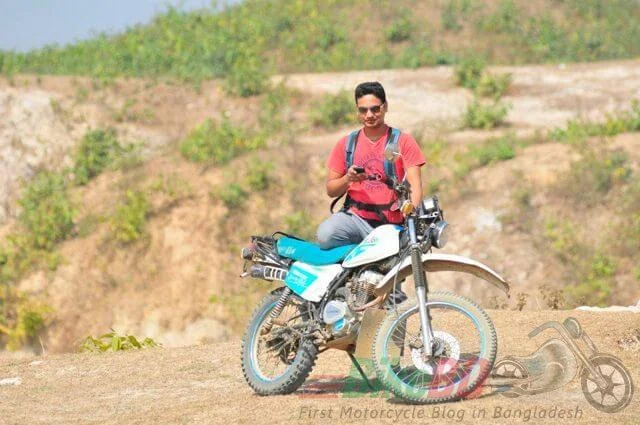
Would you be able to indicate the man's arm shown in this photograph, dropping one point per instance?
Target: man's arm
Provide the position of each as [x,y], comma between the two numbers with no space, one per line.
[337,183]
[414,178]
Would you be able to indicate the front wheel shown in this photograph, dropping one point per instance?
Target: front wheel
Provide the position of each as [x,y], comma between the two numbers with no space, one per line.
[618,389]
[279,360]
[464,350]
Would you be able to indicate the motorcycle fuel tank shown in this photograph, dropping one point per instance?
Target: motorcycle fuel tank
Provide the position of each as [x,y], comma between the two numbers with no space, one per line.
[383,242]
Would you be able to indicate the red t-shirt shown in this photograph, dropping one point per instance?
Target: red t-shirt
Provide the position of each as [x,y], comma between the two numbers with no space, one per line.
[370,155]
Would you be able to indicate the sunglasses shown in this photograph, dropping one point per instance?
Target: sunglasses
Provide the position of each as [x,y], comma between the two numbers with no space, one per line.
[374,109]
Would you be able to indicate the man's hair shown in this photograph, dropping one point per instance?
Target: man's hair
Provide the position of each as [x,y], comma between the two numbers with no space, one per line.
[371,87]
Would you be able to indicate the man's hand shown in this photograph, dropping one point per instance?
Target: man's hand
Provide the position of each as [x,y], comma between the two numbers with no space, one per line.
[354,176]
[338,183]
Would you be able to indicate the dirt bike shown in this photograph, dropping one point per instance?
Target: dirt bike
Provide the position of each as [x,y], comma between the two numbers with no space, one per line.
[440,347]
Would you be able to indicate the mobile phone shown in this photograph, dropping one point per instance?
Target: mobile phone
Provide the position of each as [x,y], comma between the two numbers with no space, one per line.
[358,169]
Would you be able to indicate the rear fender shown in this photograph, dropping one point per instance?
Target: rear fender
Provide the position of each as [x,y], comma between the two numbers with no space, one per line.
[442,263]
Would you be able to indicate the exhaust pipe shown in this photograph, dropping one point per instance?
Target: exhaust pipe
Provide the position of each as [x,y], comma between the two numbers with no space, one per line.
[260,271]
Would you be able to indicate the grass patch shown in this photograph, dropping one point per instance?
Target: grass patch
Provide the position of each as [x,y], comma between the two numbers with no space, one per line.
[334,109]
[578,130]
[490,151]
[47,211]
[219,142]
[592,176]
[129,220]
[98,150]
[486,116]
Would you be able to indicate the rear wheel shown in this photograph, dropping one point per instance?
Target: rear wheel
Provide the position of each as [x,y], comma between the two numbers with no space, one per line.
[277,361]
[464,350]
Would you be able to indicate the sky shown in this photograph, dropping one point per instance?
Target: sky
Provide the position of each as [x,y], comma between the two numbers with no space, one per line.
[29,24]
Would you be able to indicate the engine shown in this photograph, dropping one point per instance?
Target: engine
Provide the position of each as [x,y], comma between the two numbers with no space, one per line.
[342,314]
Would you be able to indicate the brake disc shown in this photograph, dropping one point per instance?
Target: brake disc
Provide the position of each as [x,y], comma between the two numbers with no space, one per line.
[446,347]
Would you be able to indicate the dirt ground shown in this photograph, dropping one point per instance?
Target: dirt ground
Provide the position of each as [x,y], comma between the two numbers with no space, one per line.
[204,384]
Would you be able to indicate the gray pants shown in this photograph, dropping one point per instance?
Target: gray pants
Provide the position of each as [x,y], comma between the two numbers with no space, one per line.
[347,228]
[342,229]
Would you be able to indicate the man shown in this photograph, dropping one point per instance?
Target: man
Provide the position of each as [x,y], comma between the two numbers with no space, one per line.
[369,203]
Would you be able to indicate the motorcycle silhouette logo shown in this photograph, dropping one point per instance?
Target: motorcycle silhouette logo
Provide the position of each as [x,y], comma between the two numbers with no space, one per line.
[605,382]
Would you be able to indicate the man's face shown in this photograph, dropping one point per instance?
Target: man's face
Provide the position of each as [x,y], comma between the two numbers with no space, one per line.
[371,111]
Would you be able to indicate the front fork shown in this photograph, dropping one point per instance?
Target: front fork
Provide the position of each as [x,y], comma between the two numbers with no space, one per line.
[420,280]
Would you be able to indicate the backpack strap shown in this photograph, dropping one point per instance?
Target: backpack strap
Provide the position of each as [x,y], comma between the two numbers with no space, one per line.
[392,142]
[351,147]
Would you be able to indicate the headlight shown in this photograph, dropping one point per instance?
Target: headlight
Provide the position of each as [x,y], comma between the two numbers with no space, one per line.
[440,234]
[428,204]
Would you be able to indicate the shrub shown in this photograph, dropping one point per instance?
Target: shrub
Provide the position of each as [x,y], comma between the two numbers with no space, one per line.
[493,86]
[232,195]
[98,150]
[247,76]
[129,220]
[257,175]
[469,71]
[399,30]
[47,212]
[218,143]
[595,287]
[21,318]
[334,110]
[485,116]
[113,341]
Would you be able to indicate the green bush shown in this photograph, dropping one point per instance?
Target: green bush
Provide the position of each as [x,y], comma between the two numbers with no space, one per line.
[113,341]
[469,71]
[21,318]
[47,212]
[257,175]
[97,151]
[218,143]
[247,76]
[399,30]
[232,195]
[595,288]
[493,86]
[129,220]
[485,116]
[334,110]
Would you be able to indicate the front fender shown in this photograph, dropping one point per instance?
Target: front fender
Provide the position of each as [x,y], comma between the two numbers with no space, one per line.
[442,263]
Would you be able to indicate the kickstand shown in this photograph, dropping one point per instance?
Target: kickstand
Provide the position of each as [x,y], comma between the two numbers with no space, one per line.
[357,365]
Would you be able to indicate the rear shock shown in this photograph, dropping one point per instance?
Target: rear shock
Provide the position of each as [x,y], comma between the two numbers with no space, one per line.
[276,310]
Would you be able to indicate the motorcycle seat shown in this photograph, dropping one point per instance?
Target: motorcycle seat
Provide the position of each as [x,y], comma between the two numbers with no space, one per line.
[311,253]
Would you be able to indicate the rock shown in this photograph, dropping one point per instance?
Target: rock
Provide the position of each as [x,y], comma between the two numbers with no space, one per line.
[10,381]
